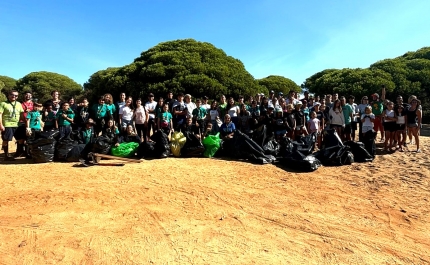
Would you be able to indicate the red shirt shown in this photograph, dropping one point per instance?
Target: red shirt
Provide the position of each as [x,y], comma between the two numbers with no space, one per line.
[27,107]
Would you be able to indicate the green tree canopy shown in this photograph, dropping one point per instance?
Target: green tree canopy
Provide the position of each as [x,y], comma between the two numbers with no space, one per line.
[41,84]
[279,84]
[197,68]
[6,84]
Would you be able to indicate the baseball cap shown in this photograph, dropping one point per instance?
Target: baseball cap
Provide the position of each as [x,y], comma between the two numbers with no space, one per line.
[272,92]
[375,95]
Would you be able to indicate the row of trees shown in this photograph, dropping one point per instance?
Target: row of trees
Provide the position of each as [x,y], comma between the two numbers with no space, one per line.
[199,68]
[405,75]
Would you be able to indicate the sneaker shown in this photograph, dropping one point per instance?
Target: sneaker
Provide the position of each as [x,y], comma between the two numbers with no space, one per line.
[18,153]
[418,150]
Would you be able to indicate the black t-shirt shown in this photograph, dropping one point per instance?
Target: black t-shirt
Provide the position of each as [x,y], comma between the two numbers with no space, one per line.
[290,120]
[320,115]
[299,115]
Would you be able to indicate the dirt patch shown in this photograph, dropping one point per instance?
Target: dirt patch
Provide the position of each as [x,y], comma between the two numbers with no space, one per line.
[210,211]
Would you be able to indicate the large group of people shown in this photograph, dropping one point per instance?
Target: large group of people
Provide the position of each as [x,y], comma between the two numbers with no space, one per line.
[131,119]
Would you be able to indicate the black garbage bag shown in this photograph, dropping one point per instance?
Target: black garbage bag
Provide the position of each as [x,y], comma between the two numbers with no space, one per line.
[53,134]
[76,136]
[301,162]
[331,138]
[359,151]
[287,147]
[162,147]
[43,152]
[335,156]
[101,145]
[146,150]
[305,145]
[243,147]
[369,142]
[193,146]
[63,147]
[75,153]
[272,147]
[259,135]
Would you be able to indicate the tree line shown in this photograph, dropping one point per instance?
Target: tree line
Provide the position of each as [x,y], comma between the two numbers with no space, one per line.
[201,69]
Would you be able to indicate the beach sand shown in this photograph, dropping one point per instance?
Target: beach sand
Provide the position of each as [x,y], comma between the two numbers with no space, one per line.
[212,211]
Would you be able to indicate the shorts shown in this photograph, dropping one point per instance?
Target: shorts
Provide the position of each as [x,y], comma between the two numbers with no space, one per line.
[299,128]
[365,129]
[7,134]
[354,125]
[347,129]
[400,127]
[334,126]
[390,126]
[20,133]
[377,124]
[125,123]
[412,125]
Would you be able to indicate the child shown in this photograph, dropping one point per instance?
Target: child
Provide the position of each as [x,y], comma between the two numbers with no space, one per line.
[314,126]
[87,133]
[244,116]
[48,117]
[165,121]
[64,119]
[367,120]
[34,119]
[290,121]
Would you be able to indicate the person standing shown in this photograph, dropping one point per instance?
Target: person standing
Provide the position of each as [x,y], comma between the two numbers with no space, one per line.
[150,107]
[99,113]
[64,120]
[377,109]
[361,111]
[355,116]
[55,101]
[10,113]
[141,118]
[20,134]
[348,114]
[190,105]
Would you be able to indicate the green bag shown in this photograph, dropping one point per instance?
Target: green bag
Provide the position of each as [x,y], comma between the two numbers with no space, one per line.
[211,143]
[125,149]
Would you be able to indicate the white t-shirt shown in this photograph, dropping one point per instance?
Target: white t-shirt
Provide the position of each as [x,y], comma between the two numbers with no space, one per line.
[206,106]
[367,121]
[233,111]
[213,113]
[355,109]
[126,112]
[151,106]
[140,115]
[190,107]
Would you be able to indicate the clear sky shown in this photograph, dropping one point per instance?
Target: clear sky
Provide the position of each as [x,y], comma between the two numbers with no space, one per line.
[294,39]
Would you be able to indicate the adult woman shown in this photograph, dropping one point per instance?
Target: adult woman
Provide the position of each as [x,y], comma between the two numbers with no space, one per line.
[213,116]
[227,128]
[111,108]
[140,118]
[98,113]
[55,101]
[390,129]
[361,110]
[414,117]
[126,114]
[337,119]
[222,105]
[264,106]
[233,110]
[400,126]
[412,97]
[290,121]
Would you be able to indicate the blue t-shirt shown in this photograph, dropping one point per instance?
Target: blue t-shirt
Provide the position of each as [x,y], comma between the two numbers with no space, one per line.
[227,128]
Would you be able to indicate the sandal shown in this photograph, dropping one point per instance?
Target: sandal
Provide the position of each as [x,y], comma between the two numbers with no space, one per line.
[418,150]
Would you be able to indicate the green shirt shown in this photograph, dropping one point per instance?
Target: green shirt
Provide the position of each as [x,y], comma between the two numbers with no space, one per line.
[111,108]
[347,112]
[377,107]
[50,119]
[165,116]
[87,134]
[11,113]
[199,113]
[222,110]
[35,118]
[62,121]
[99,111]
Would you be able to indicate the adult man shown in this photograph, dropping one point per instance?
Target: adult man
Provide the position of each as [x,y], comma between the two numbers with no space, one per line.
[271,95]
[377,109]
[10,113]
[189,104]
[169,100]
[150,107]
[20,133]
[306,94]
[291,98]
[179,112]
[354,121]
[348,114]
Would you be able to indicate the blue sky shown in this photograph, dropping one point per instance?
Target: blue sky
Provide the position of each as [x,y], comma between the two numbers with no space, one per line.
[294,39]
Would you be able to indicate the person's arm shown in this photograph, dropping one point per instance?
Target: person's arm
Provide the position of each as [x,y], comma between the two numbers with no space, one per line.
[383,93]
[1,122]
[420,117]
[351,113]
[372,117]
[363,118]
[342,117]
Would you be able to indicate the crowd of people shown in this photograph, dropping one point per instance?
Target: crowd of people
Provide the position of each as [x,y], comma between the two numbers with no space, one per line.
[131,119]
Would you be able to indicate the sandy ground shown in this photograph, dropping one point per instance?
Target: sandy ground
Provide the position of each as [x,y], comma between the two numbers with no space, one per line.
[209,211]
